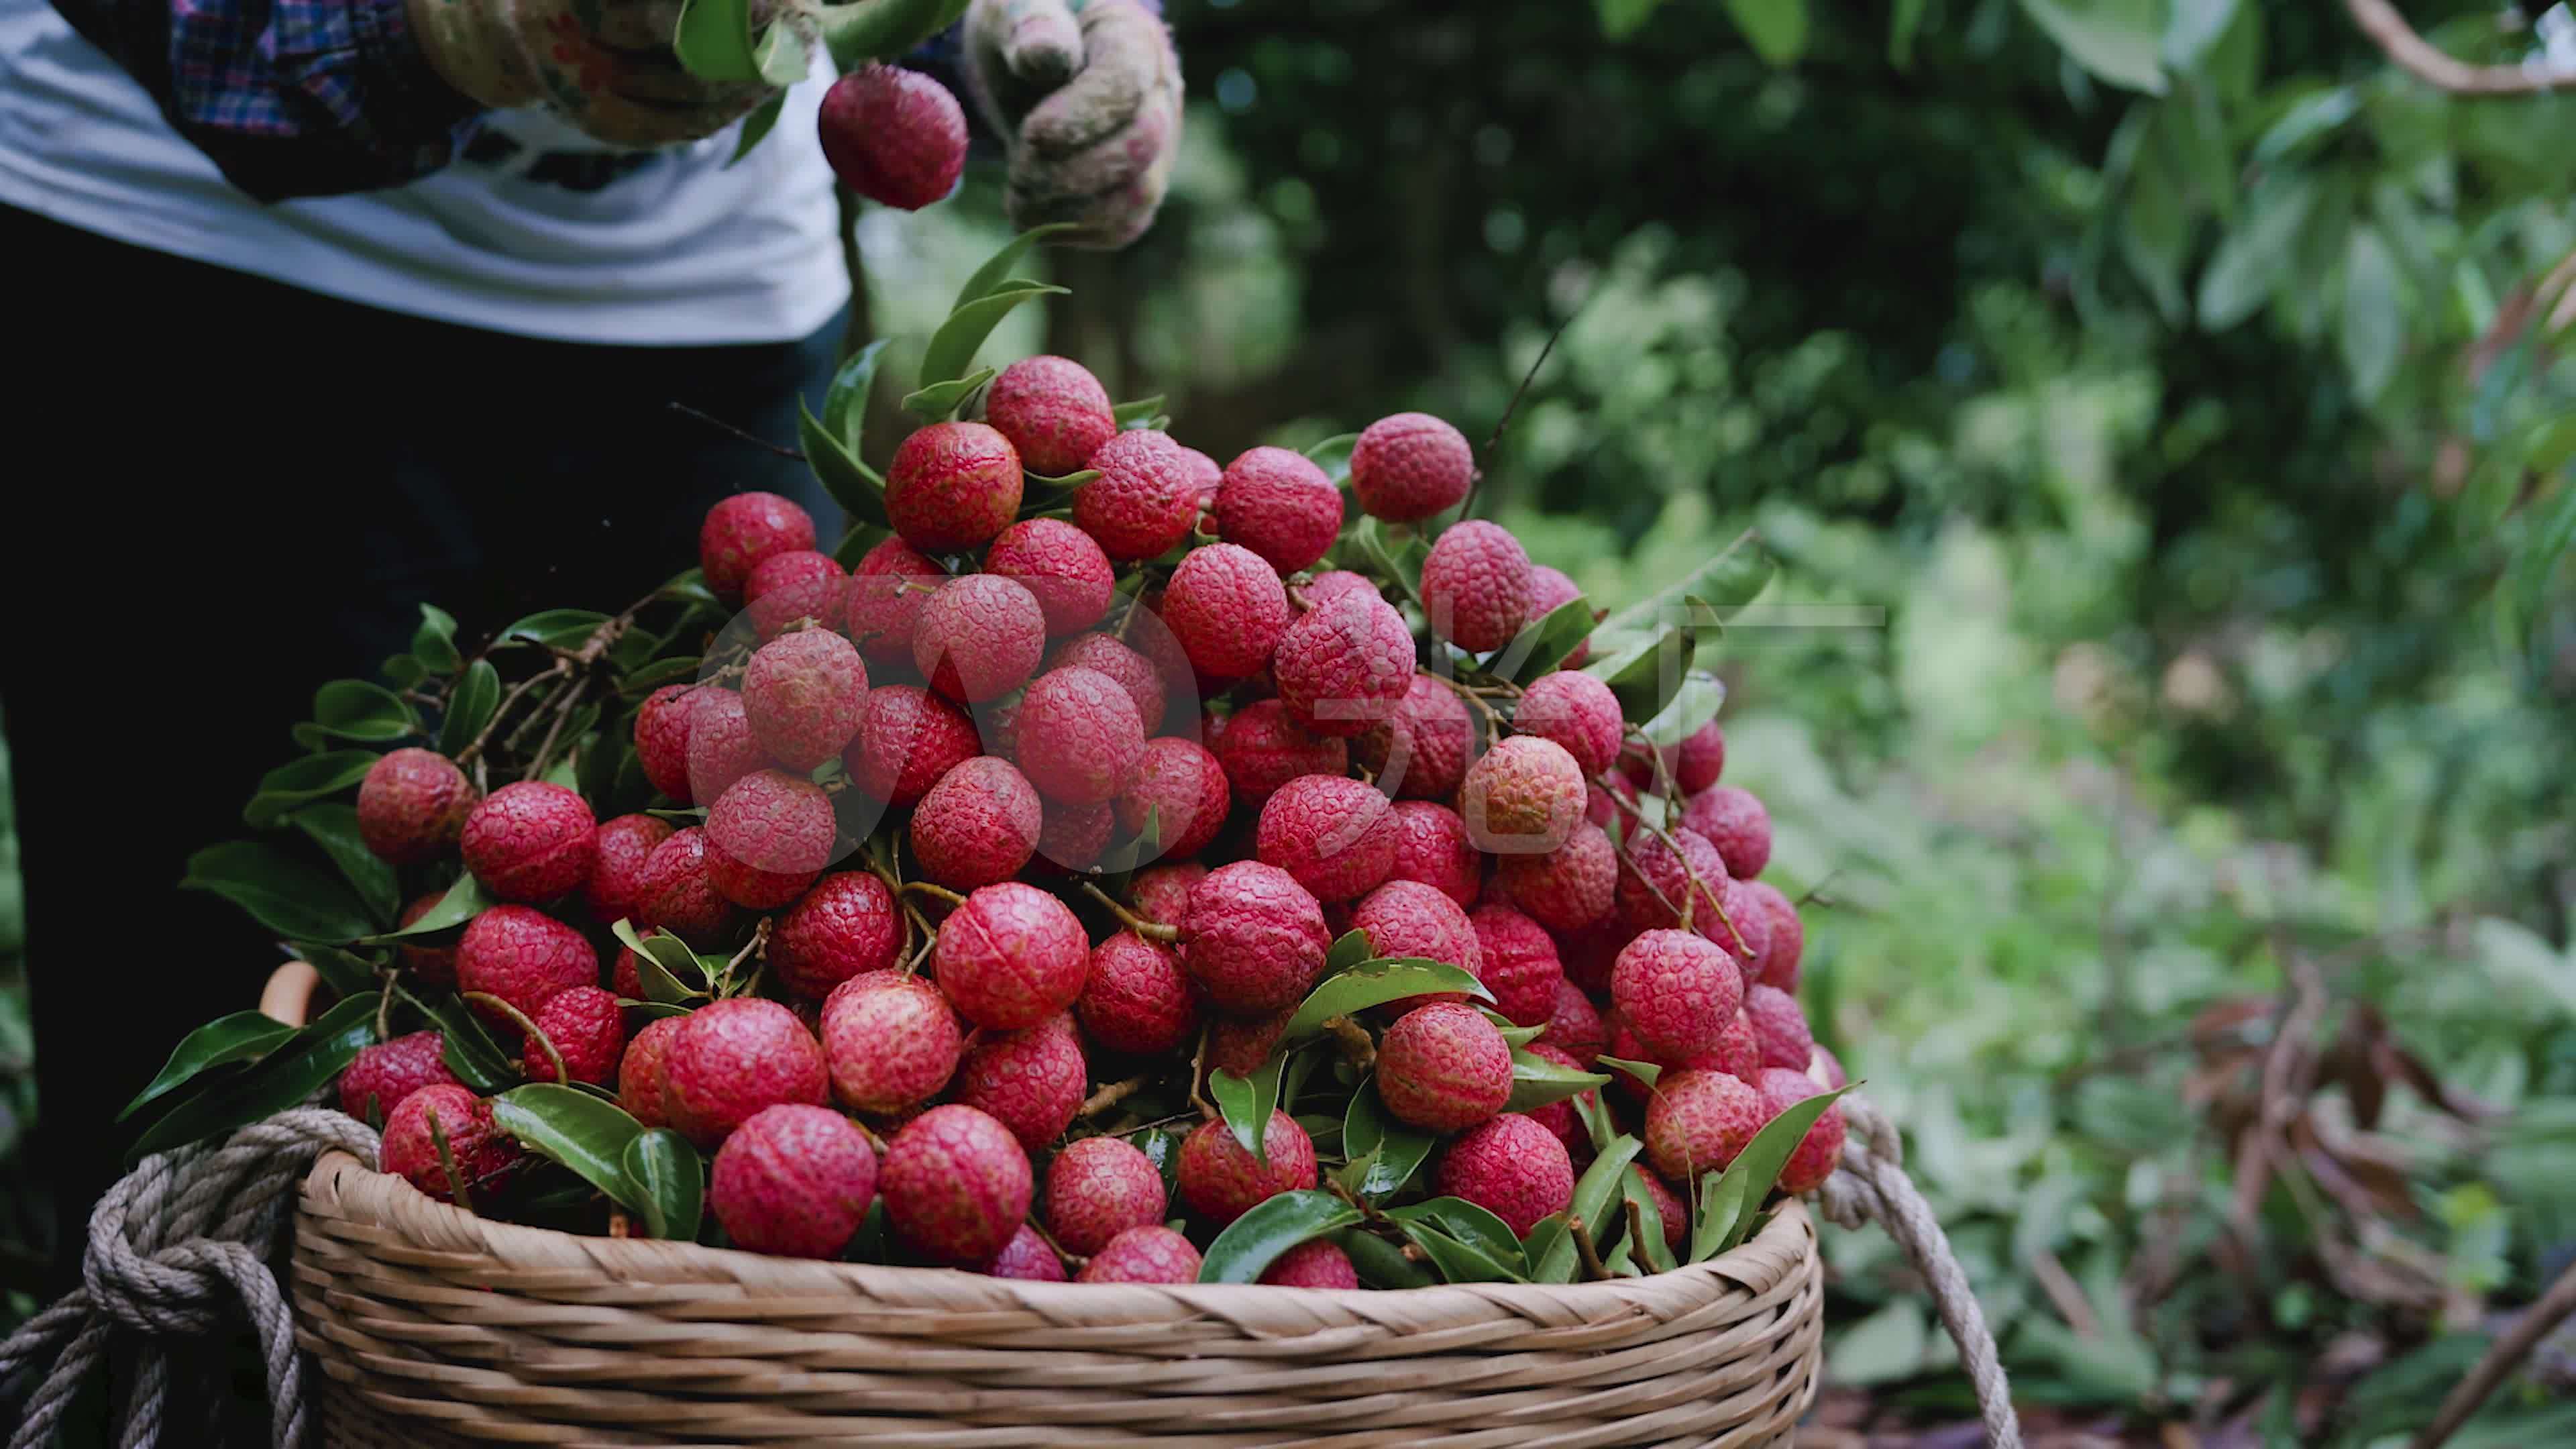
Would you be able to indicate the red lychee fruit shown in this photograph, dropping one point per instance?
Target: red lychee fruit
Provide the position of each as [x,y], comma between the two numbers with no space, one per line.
[1738,1052]
[1694,764]
[1055,413]
[1144,501]
[1161,894]
[412,806]
[1676,990]
[587,1032]
[1780,1028]
[978,825]
[956,1184]
[1513,1168]
[744,531]
[1520,965]
[887,591]
[523,956]
[1589,952]
[1134,672]
[1098,1188]
[1281,506]
[1029,1081]
[1180,785]
[1578,712]
[1319,1264]
[979,637]
[845,926]
[894,136]
[952,486]
[1408,918]
[792,586]
[1522,797]
[1227,608]
[1745,931]
[1077,736]
[908,737]
[890,1041]
[793,1180]
[1559,1117]
[768,837]
[1061,566]
[1264,747]
[662,738]
[1410,466]
[484,1155]
[1571,886]
[1734,821]
[1821,1150]
[1331,584]
[380,1076]
[1136,997]
[640,1074]
[734,1057]
[1337,836]
[1669,1209]
[1697,1121]
[721,747]
[529,841]
[1655,882]
[1344,665]
[1444,1068]
[1241,1044]
[619,849]
[1143,1255]
[1011,956]
[1253,938]
[1551,590]
[677,891]
[1073,837]
[1784,935]
[1421,752]
[1431,846]
[1208,476]
[1027,1258]
[434,965]
[802,693]
[1219,1180]
[1476,585]
[1575,1026]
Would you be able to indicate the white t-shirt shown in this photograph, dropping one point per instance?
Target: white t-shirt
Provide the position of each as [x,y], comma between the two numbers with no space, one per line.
[663,247]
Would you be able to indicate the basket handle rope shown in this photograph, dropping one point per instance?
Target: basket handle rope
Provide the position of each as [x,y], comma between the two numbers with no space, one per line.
[170,1247]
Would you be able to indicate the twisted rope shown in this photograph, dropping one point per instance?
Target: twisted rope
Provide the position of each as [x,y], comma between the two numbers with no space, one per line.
[171,1247]
[1871,1187]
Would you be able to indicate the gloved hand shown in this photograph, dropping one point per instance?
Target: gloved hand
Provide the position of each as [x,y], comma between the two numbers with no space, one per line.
[604,66]
[1089,94]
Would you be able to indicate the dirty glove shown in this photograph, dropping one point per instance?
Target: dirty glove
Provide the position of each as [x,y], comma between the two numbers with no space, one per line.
[1088,95]
[604,66]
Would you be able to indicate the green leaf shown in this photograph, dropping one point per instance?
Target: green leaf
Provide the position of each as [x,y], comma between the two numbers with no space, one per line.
[1543,643]
[1644,667]
[1513,1033]
[284,1078]
[345,972]
[1046,495]
[1136,414]
[1750,1177]
[1729,580]
[1382,1264]
[661,963]
[1247,1102]
[996,271]
[688,586]
[1471,1224]
[244,1036]
[459,903]
[2192,28]
[1692,705]
[1348,951]
[557,628]
[333,825]
[1371,983]
[285,895]
[2311,118]
[1902,23]
[845,403]
[353,709]
[1393,1151]
[853,484]
[669,1181]
[757,126]
[1252,1242]
[1333,455]
[1460,1262]
[1595,1117]
[1593,1193]
[713,40]
[940,399]
[2255,257]
[309,778]
[577,1130]
[2155,229]
[782,56]
[1777,29]
[883,29]
[1545,1237]
[434,642]
[1398,561]
[1623,18]
[465,1046]
[1646,1072]
[1658,1253]
[1536,1081]
[402,671]
[1721,1202]
[952,348]
[469,707]
[2374,331]
[2120,41]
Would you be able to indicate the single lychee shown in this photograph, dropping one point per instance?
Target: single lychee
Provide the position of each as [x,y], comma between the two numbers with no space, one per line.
[978,825]
[1219,1180]
[1098,1188]
[894,136]
[1060,565]
[1227,607]
[676,892]
[908,737]
[1444,1068]
[587,1032]
[1241,1044]
[484,1156]
[619,849]
[745,530]
[412,806]
[1676,990]
[1738,1052]
[956,1184]
[1144,501]
[952,486]
[979,637]
[1522,797]
[1551,590]
[1575,1026]
[734,1057]
[1253,938]
[1207,476]
[1055,413]
[1280,505]
[523,956]
[640,1073]
[380,1076]
[1030,1081]
[1331,584]
[1780,1028]
[1657,881]
[1181,787]
[1027,1258]
[1577,711]
[1513,1168]
[1406,918]
[845,926]
[529,841]
[1143,1255]
[1421,751]
[1734,821]
[1431,846]
[1077,737]
[1784,935]
[887,591]
[1072,838]
[432,965]
[721,746]
[793,1180]
[1011,956]
[1134,672]
[768,837]
[1571,886]
[1318,1264]
[1694,764]
[1410,466]
[890,1041]
[1520,965]
[1697,1121]
[662,738]
[792,586]
[1476,586]
[1161,894]
[1264,747]
[1336,835]
[802,693]
[1344,665]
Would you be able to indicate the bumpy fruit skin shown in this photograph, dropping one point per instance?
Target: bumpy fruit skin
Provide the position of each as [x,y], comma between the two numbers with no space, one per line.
[1551,590]
[952,486]
[1228,609]
[1144,501]
[619,849]
[1011,956]
[1134,672]
[1077,737]
[1522,797]
[1602,799]
[979,637]
[1578,712]
[1161,894]
[1264,747]
[1181,785]
[1331,584]
[587,1031]
[1746,931]
[1281,506]
[523,956]
[894,136]
[1431,846]
[908,737]
[793,1180]
[1655,883]
[1444,1068]
[662,738]
[530,841]
[1559,1117]
[1030,1081]
[1344,665]
[1336,835]
[1575,1026]
[1410,466]
[792,586]
[1695,763]
[734,1057]
[1421,752]
[1098,1188]
[1476,585]
[1571,886]
[1697,1121]
[890,1041]
[412,806]
[1317,1264]
[1055,413]
[435,965]
[1676,990]
[1513,1168]
[803,693]
[1027,1258]
[978,825]
[1219,1180]
[768,837]
[640,1075]
[485,1156]
[1253,938]
[1241,1044]
[721,747]
[847,925]
[1738,1052]
[1520,965]
[677,891]
[1734,821]
[1143,1255]
[956,1184]
[1072,837]
[1784,935]
[1408,918]
[742,532]
[1589,953]
[1779,1028]
[379,1077]
[1059,564]
[887,591]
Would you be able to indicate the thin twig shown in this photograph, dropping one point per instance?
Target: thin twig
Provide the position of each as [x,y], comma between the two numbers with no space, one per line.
[2420,58]
[935,892]
[1527,378]
[1150,930]
[474,746]
[457,1192]
[1110,1096]
[490,1002]
[1582,1235]
[1073,1262]
[722,426]
[2502,1358]
[1198,1074]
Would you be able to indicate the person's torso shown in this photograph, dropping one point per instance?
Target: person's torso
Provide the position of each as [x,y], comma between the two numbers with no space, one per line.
[534,230]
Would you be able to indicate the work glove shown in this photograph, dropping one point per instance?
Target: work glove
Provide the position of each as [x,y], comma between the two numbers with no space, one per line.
[604,66]
[1087,95]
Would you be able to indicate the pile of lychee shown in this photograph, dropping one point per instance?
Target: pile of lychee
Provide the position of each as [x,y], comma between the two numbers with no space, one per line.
[1031,830]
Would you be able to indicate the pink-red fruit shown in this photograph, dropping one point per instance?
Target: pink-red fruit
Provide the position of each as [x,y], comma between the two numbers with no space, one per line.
[1144,501]
[1030,1081]
[792,586]
[1577,711]
[1476,585]
[1280,505]
[619,849]
[1136,997]
[952,486]
[908,737]
[793,1180]
[1697,1121]
[1264,747]
[1676,991]
[483,1155]
[978,825]
[1335,835]
[890,1042]
[894,136]
[1143,1255]
[1028,1258]
[1734,821]
[733,1057]
[523,956]
[743,532]
[380,1076]
[412,806]
[530,841]
[662,738]
[887,591]
[1512,1167]
[1410,466]
[802,693]
[979,637]
[768,837]
[1254,939]
[1227,608]
[1821,1150]
[1182,788]
[1344,664]
[845,926]
[640,1076]
[1011,956]
[1054,412]
[1059,564]
[1098,1188]
[587,1032]
[1421,751]
[1319,1264]
[956,1184]
[1571,886]
[677,893]
[1220,1180]
[1522,797]
[1444,1068]
[1077,737]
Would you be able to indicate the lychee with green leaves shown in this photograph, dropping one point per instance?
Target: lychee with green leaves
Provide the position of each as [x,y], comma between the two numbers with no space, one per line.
[413,805]
[1444,1068]
[1551,590]
[586,1030]
[1181,788]
[794,1180]
[529,842]
[1317,1264]
[956,1184]
[380,1076]
[479,1154]
[1408,918]
[1054,411]
[1219,1179]
[524,957]
[1697,1121]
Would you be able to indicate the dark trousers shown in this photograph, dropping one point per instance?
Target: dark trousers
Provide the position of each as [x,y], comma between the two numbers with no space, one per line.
[223,492]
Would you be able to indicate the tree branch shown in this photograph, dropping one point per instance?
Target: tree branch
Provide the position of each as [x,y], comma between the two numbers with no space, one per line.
[2380,20]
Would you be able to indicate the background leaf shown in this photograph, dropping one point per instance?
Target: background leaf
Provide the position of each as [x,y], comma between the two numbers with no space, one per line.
[469,708]
[333,825]
[952,348]
[579,1131]
[282,1079]
[1251,1243]
[244,1036]
[669,1181]
[282,893]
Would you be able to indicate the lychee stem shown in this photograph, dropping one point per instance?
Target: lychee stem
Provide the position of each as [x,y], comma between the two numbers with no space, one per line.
[1110,1096]
[519,1018]
[474,746]
[1636,1229]
[935,892]
[1357,1047]
[1583,1248]
[1198,1074]
[1696,888]
[447,1163]
[1150,930]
